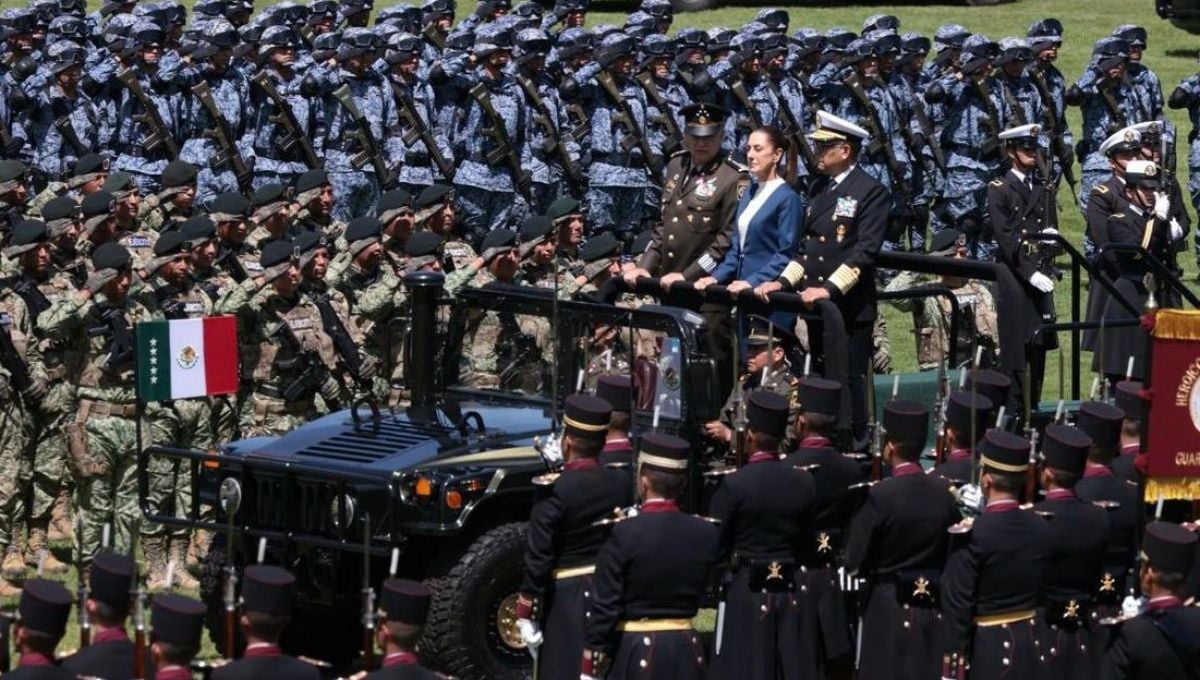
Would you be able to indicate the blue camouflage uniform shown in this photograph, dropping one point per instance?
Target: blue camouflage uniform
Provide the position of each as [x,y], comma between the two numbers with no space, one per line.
[546,170]
[53,155]
[1099,118]
[355,190]
[417,169]
[260,139]
[1052,87]
[1187,96]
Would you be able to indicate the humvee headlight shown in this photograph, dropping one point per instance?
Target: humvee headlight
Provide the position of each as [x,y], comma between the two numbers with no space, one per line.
[454,500]
[424,488]
[343,518]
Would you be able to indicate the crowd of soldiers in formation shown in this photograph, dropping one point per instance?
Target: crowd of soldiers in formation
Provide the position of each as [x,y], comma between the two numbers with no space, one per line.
[291,166]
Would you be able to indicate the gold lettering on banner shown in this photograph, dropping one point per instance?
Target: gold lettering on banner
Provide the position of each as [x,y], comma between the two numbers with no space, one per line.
[1190,376]
[1187,459]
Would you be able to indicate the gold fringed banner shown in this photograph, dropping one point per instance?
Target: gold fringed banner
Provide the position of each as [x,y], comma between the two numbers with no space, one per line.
[1172,489]
[1176,324]
[1172,423]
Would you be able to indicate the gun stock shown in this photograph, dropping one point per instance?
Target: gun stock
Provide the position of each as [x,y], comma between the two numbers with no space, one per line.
[294,136]
[371,152]
[554,142]
[229,155]
[159,136]
[504,152]
[415,128]
[634,138]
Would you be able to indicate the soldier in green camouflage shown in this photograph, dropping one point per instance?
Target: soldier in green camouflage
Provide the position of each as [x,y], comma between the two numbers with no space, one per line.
[42,470]
[437,211]
[932,316]
[285,352]
[314,195]
[87,176]
[271,210]
[23,385]
[98,212]
[97,322]
[14,192]
[540,265]
[178,297]
[236,256]
[175,202]
[567,214]
[64,222]
[767,368]
[140,244]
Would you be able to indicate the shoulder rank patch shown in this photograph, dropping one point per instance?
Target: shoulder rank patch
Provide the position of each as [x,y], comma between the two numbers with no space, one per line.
[741,187]
[997,182]
[1100,189]
[1117,216]
[679,153]
[735,165]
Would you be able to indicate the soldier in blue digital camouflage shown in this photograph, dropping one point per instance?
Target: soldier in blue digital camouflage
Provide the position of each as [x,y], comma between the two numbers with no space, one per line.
[907,86]
[490,139]
[141,150]
[62,123]
[353,166]
[1108,103]
[1045,39]
[230,90]
[1187,96]
[1144,81]
[414,97]
[975,113]
[621,169]
[1016,86]
[546,125]
[277,151]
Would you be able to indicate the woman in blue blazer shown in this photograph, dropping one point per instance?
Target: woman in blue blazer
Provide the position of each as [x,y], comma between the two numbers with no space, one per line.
[769,220]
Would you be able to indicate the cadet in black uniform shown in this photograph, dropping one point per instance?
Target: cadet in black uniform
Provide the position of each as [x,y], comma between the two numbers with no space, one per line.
[177,623]
[1103,423]
[44,609]
[564,538]
[835,473]
[1020,204]
[847,218]
[1129,400]
[1079,544]
[617,390]
[1161,642]
[994,385]
[699,199]
[650,577]
[1141,223]
[1106,198]
[898,543]
[267,594]
[968,415]
[993,583]
[404,605]
[110,654]
[764,509]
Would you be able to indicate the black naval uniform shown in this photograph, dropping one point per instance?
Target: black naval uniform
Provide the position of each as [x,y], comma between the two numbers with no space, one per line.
[764,509]
[269,590]
[560,557]
[1137,227]
[822,595]
[266,661]
[845,227]
[898,541]
[1078,549]
[617,454]
[990,590]
[403,666]
[1106,199]
[1019,207]
[650,577]
[1099,485]
[109,656]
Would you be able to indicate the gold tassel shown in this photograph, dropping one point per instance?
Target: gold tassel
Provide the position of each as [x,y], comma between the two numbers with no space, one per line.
[1172,489]
[1176,324]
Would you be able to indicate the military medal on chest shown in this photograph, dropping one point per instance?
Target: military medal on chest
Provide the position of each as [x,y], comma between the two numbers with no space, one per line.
[847,206]
[706,187]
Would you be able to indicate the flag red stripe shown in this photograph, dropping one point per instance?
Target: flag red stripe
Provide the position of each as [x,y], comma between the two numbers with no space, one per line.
[221,354]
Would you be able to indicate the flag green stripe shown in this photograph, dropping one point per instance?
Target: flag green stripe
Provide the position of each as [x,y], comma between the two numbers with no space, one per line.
[154,369]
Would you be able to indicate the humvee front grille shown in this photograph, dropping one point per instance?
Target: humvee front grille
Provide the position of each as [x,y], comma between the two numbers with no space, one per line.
[371,442]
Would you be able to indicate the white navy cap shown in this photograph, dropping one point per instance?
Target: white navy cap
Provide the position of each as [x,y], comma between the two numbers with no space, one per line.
[1125,139]
[1142,173]
[831,128]
[1022,135]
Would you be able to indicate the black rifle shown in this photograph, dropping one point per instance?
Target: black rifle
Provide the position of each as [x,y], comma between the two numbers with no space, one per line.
[1110,102]
[227,154]
[927,131]
[113,323]
[504,152]
[171,307]
[415,128]
[228,260]
[554,144]
[1051,123]
[18,370]
[159,135]
[738,88]
[34,299]
[795,130]
[991,117]
[371,151]
[633,136]
[293,136]
[342,342]
[434,35]
[62,123]
[580,122]
[646,80]
[881,139]
[310,372]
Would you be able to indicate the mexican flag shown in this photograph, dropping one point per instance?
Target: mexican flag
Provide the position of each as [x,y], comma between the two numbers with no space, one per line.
[185,358]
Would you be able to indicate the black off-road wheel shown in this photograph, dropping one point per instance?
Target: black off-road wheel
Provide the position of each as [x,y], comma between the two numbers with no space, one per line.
[471,632]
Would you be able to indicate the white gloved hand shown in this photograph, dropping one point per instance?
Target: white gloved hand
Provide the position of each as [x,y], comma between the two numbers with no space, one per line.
[1176,230]
[1050,230]
[1041,282]
[531,635]
[1162,205]
[1131,606]
[970,497]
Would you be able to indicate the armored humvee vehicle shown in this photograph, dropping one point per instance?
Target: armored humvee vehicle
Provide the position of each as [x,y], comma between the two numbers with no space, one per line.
[439,491]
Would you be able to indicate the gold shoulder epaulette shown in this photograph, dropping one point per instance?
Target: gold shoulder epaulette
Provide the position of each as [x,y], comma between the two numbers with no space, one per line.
[997,182]
[1100,189]
[735,165]
[679,153]
[1118,216]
